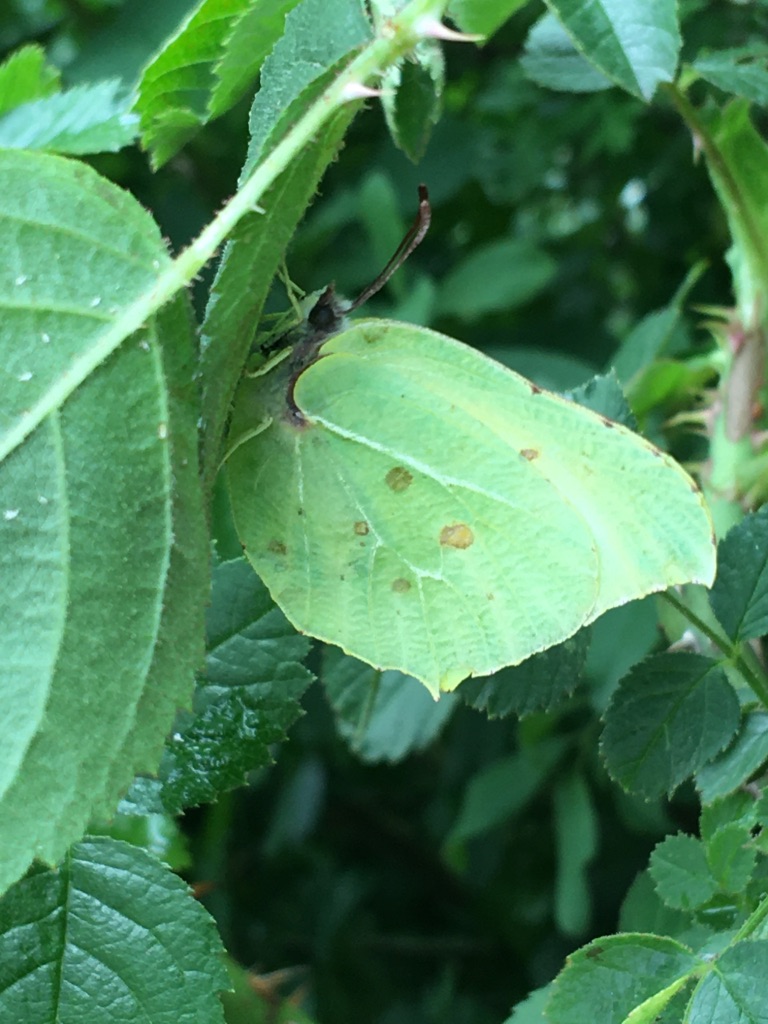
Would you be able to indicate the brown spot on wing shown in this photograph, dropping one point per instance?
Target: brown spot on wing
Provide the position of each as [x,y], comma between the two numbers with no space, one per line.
[398,479]
[457,535]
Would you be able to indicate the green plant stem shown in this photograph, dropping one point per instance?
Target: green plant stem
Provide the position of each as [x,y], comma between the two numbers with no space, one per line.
[755,680]
[397,37]
[721,172]
[753,922]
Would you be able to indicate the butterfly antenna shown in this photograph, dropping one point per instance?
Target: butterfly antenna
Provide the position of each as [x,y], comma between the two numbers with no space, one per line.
[412,238]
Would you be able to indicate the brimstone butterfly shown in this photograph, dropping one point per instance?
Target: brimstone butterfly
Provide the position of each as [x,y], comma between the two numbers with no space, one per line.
[427,509]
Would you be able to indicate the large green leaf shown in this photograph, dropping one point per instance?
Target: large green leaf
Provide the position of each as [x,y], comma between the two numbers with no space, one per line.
[634,42]
[408,499]
[102,541]
[112,935]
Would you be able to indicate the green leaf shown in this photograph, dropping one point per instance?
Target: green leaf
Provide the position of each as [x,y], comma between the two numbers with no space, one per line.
[731,857]
[739,595]
[412,98]
[576,844]
[249,696]
[603,395]
[242,283]
[552,61]
[499,791]
[103,538]
[211,60]
[539,683]
[739,72]
[667,718]
[736,989]
[634,42]
[612,976]
[317,35]
[483,17]
[737,808]
[426,578]
[383,716]
[26,75]
[531,1009]
[743,759]
[87,119]
[681,872]
[111,931]
[496,276]
[653,335]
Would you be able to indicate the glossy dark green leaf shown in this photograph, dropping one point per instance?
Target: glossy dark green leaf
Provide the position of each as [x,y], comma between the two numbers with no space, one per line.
[248,697]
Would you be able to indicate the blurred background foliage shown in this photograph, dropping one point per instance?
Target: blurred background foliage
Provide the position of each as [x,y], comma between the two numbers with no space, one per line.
[405,862]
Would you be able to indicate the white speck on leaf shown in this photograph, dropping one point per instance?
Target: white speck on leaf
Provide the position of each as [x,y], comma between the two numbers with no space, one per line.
[24,377]
[95,302]
[46,338]
[42,499]
[10,513]
[144,345]
[21,279]
[162,431]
